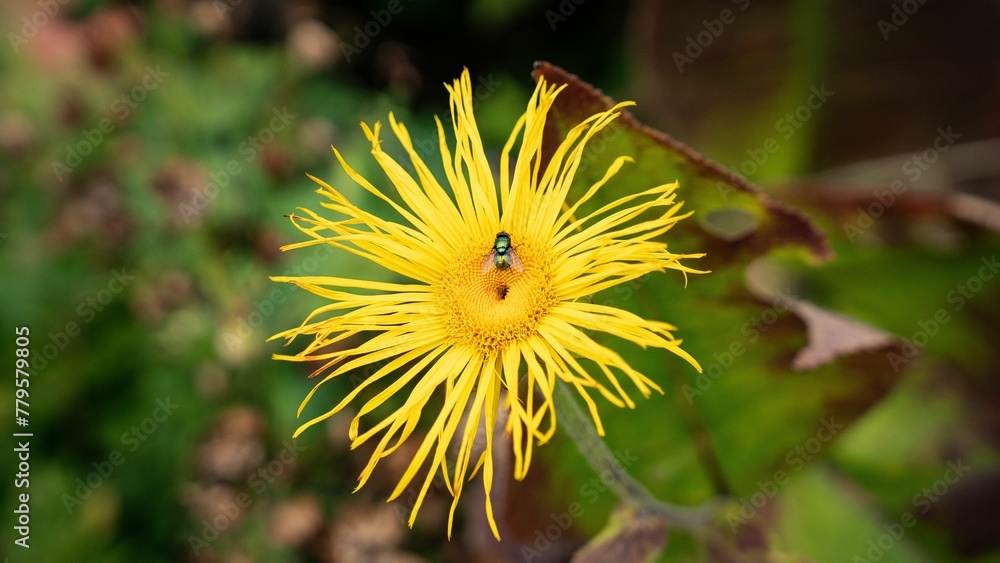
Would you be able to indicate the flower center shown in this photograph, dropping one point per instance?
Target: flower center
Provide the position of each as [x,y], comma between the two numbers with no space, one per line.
[490,310]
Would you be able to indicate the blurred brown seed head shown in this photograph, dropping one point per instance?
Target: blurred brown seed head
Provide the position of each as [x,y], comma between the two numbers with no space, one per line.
[313,45]
[235,447]
[292,523]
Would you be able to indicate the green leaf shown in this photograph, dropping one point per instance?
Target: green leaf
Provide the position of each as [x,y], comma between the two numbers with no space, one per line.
[751,421]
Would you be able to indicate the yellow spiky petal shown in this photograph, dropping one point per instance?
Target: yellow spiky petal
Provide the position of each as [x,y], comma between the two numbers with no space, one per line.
[457,328]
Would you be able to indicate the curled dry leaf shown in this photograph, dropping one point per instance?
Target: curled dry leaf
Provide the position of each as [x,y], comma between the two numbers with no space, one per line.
[831,335]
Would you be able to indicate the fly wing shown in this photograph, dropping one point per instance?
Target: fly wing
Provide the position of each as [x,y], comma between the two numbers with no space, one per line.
[490,260]
[515,260]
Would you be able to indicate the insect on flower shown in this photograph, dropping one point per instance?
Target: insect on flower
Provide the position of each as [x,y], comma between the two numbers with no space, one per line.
[502,255]
[462,341]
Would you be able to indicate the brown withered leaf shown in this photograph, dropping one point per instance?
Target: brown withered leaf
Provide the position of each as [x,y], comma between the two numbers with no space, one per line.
[705,184]
[628,537]
[831,334]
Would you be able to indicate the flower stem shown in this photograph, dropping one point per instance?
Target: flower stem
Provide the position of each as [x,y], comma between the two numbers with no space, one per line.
[580,429]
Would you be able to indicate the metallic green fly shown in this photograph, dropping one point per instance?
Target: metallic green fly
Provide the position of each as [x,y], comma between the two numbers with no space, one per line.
[502,255]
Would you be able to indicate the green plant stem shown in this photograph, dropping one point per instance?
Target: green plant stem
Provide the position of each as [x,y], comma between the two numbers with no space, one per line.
[581,430]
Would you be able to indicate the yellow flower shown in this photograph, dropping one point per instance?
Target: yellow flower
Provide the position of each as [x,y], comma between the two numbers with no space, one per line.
[465,328]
